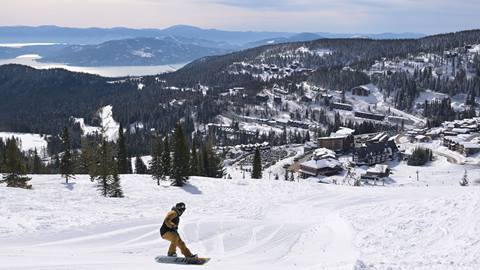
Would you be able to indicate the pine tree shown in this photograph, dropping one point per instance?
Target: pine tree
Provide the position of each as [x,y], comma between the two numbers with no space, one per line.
[201,171]
[156,163]
[107,172]
[214,165]
[205,161]
[122,155]
[129,166]
[14,168]
[66,163]
[104,168]
[37,163]
[180,165]
[56,164]
[257,165]
[140,167]
[166,158]
[115,190]
[2,154]
[88,159]
[194,165]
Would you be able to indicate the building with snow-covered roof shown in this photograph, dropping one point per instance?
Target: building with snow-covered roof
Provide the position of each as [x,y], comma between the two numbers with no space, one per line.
[375,152]
[341,106]
[469,148]
[322,153]
[361,90]
[321,167]
[380,170]
[372,116]
[464,143]
[340,141]
[422,138]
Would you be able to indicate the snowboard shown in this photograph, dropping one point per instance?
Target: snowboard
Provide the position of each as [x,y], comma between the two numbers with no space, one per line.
[181,260]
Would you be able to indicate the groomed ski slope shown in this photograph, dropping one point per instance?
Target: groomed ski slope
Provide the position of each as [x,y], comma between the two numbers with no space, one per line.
[241,224]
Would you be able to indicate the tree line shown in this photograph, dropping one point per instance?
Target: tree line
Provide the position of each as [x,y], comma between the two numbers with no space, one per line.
[174,159]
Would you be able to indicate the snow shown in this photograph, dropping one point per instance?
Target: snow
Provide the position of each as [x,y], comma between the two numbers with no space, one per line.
[321,153]
[140,86]
[143,54]
[475,49]
[318,52]
[240,224]
[108,125]
[28,141]
[429,95]
[322,163]
[146,160]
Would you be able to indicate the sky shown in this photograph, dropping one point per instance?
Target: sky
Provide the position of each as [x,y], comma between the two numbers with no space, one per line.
[339,16]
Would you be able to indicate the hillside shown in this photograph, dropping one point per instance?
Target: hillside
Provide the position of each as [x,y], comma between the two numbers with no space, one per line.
[240,224]
[318,54]
[293,79]
[136,52]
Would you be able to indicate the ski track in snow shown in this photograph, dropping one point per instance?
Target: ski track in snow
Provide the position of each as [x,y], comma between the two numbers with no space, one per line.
[241,225]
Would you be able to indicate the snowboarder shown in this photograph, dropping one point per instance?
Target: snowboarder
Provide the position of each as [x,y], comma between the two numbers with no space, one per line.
[169,232]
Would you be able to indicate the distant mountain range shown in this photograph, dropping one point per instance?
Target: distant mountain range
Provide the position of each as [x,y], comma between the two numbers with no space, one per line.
[23,34]
[126,46]
[135,52]
[295,38]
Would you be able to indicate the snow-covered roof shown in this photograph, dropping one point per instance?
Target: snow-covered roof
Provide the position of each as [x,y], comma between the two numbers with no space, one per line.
[321,163]
[323,153]
[435,131]
[470,145]
[345,131]
[461,130]
[420,137]
[379,168]
[310,144]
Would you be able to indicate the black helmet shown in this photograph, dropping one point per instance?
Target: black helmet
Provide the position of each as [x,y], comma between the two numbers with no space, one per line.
[180,206]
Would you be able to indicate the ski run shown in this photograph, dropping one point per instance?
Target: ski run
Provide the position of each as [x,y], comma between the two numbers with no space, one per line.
[240,224]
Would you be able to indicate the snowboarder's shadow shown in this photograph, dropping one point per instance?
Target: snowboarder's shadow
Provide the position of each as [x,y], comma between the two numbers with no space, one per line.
[69,186]
[192,189]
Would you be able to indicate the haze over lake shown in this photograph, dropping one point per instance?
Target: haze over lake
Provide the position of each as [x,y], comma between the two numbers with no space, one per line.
[107,71]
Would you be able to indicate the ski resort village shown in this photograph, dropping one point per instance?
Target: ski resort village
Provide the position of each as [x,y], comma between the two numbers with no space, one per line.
[183,147]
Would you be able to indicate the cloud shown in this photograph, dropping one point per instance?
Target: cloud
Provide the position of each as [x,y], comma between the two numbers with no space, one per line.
[256,4]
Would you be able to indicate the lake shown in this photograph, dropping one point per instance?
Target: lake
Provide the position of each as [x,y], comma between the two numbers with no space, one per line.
[113,71]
